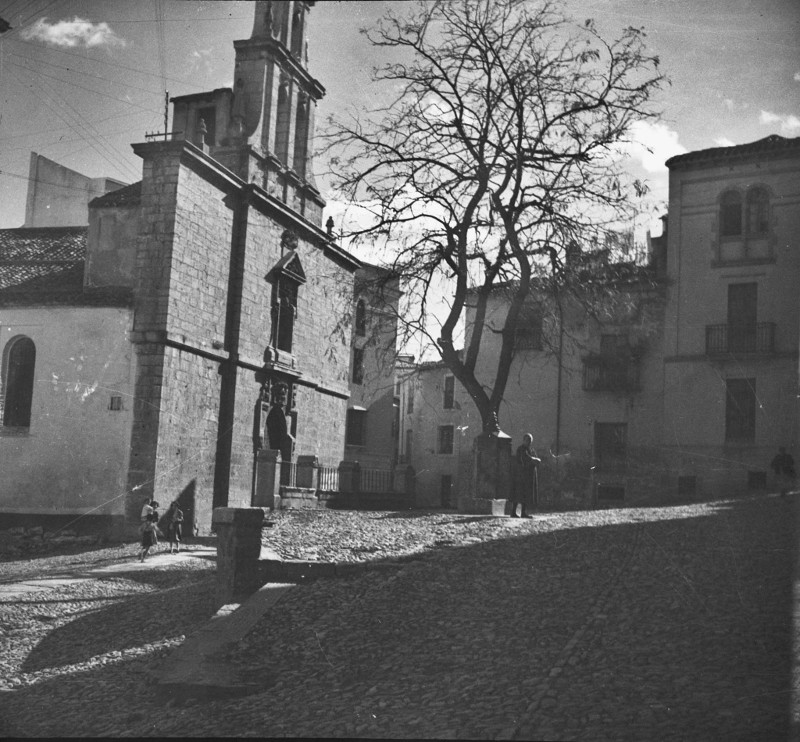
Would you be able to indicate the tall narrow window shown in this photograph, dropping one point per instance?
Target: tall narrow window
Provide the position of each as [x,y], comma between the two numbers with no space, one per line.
[18,373]
[301,136]
[287,277]
[297,30]
[740,410]
[445,442]
[757,211]
[730,217]
[409,452]
[282,121]
[449,392]
[742,317]
[358,365]
[361,318]
[285,307]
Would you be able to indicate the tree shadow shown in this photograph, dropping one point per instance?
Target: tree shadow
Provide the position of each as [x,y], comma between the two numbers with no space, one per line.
[704,643]
[130,622]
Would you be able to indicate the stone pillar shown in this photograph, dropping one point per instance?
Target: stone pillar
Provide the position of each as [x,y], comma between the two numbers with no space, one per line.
[307,472]
[349,477]
[238,550]
[491,456]
[266,492]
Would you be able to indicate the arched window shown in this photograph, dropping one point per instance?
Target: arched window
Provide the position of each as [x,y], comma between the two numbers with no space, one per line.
[757,211]
[19,360]
[297,29]
[361,318]
[287,277]
[730,215]
[301,136]
[282,121]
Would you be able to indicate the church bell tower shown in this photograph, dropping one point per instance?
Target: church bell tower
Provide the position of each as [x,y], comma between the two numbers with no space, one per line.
[263,129]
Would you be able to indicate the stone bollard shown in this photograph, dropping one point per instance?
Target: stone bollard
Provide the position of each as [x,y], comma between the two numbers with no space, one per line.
[349,477]
[307,472]
[267,489]
[238,551]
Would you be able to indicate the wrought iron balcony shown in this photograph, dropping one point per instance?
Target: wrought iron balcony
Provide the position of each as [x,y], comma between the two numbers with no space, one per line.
[752,338]
[610,373]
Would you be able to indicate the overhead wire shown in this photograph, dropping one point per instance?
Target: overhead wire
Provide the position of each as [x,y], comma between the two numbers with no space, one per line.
[84,74]
[83,87]
[87,125]
[80,119]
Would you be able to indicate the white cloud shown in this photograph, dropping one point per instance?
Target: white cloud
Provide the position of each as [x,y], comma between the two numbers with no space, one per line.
[729,103]
[76,32]
[797,76]
[653,144]
[789,123]
[724,142]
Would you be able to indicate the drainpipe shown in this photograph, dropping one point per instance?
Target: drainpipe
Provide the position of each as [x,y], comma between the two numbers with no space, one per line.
[558,388]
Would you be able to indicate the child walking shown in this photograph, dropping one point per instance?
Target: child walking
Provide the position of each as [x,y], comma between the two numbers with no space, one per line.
[149,535]
[174,527]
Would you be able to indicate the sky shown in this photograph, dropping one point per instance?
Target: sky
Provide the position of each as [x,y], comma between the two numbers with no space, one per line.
[80,80]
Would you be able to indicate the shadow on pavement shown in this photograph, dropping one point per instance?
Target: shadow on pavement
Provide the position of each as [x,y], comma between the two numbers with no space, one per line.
[693,641]
[131,622]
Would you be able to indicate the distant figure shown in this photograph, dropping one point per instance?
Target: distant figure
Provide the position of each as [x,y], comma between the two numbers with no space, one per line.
[174,527]
[783,466]
[149,535]
[525,480]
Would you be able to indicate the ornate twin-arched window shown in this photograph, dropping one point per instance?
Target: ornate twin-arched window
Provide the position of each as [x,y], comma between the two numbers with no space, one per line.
[19,360]
[748,215]
[744,232]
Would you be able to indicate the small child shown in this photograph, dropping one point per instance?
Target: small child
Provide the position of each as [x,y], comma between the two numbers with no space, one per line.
[175,527]
[149,535]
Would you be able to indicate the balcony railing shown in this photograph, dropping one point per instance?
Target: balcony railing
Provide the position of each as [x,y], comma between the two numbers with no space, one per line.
[610,373]
[753,338]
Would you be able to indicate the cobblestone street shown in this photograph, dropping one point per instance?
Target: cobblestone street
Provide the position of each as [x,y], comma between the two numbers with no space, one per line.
[661,623]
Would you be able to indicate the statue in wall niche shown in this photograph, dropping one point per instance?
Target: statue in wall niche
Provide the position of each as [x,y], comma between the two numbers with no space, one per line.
[277,429]
[238,110]
[288,240]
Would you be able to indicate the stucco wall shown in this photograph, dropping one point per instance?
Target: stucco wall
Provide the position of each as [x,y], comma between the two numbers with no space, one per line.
[74,458]
[695,383]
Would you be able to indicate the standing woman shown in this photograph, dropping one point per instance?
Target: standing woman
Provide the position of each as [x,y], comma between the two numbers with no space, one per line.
[174,527]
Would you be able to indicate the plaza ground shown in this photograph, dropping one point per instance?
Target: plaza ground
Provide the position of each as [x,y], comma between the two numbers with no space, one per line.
[651,623]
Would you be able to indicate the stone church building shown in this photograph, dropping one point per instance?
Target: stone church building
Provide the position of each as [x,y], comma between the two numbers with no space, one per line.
[197,320]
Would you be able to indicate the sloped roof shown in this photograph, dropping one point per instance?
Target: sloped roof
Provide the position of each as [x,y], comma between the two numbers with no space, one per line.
[128,196]
[44,265]
[768,145]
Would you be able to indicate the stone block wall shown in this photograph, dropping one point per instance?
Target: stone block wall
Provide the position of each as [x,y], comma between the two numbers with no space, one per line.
[202,326]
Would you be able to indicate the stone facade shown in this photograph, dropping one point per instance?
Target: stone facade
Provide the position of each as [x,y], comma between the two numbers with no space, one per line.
[233,303]
[374,406]
[688,385]
[732,319]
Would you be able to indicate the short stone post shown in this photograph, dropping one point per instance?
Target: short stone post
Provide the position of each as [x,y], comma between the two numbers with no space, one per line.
[238,550]
[349,477]
[266,493]
[307,472]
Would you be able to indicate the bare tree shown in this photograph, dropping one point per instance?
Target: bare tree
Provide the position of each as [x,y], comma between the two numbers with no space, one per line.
[502,148]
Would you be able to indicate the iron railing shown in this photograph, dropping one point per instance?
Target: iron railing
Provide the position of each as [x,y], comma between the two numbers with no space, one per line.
[328,478]
[376,480]
[751,338]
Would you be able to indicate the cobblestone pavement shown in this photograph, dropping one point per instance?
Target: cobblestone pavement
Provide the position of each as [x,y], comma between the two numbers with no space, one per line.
[664,623]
